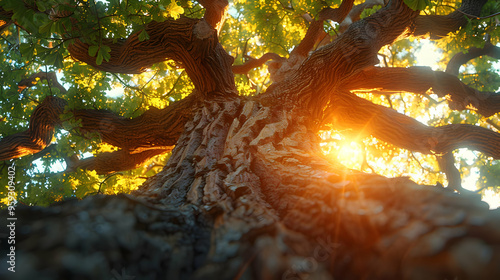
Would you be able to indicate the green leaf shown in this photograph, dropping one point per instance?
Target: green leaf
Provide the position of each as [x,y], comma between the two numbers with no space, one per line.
[55,59]
[58,62]
[417,4]
[93,50]
[27,50]
[98,61]
[143,36]
[46,27]
[41,6]
[104,50]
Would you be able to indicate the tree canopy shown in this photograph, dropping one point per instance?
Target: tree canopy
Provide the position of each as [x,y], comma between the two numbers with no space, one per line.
[40,57]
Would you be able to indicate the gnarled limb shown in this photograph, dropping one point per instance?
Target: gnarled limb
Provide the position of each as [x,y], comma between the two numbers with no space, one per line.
[254,63]
[42,124]
[440,26]
[155,129]
[447,165]
[355,13]
[461,58]
[215,12]
[314,81]
[421,79]
[110,162]
[352,112]
[337,14]
[316,28]
[50,77]
[191,42]
[315,33]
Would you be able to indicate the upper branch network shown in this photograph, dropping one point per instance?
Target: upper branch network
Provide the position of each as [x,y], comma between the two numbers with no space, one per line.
[193,43]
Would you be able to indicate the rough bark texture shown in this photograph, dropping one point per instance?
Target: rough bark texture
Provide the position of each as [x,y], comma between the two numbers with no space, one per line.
[247,194]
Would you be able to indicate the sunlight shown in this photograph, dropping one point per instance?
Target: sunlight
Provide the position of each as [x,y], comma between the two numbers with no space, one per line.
[57,166]
[345,150]
[492,198]
[116,92]
[428,54]
[350,154]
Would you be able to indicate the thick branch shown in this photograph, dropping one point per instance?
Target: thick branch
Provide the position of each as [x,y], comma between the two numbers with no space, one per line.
[310,39]
[110,162]
[315,33]
[50,77]
[421,79]
[348,111]
[191,42]
[43,121]
[461,58]
[440,26]
[156,127]
[337,14]
[215,12]
[254,63]
[447,164]
[315,30]
[355,13]
[312,84]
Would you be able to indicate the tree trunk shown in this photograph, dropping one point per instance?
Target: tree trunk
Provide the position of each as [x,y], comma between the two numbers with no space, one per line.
[247,195]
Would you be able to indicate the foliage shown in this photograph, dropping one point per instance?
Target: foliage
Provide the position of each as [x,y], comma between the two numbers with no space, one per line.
[252,29]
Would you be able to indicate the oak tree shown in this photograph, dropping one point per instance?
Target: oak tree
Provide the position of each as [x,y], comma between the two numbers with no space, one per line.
[220,131]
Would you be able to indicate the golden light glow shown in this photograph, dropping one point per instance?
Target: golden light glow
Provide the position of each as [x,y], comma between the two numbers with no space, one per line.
[347,151]
[350,154]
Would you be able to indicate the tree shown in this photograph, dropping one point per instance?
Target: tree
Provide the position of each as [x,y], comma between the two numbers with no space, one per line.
[246,192]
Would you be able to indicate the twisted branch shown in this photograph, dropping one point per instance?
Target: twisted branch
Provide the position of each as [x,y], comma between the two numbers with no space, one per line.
[110,162]
[320,74]
[348,111]
[191,42]
[461,58]
[254,63]
[215,12]
[440,26]
[421,79]
[154,132]
[50,77]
